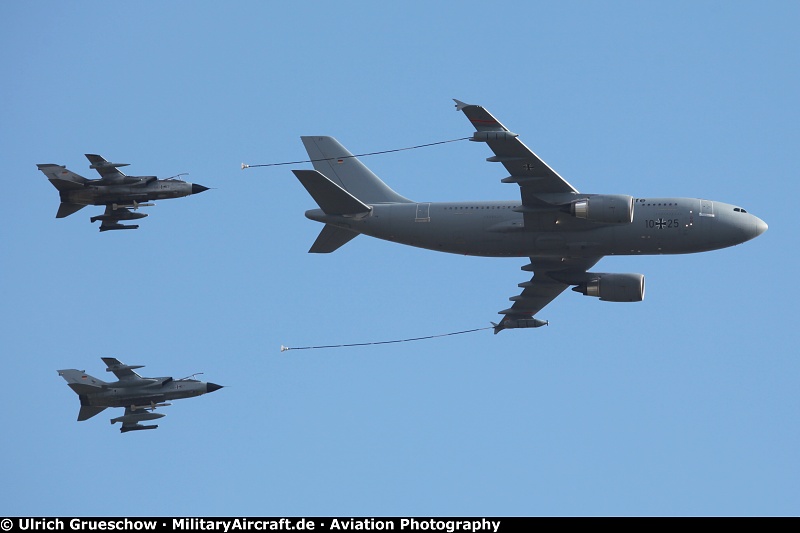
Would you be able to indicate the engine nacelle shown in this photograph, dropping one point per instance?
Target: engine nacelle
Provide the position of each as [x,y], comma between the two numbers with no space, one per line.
[604,208]
[614,287]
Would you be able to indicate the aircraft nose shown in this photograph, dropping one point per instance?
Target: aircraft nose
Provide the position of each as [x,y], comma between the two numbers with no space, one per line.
[196,189]
[760,227]
[211,387]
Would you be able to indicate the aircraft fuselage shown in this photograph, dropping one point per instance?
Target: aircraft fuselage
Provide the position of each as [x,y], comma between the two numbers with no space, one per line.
[121,394]
[500,229]
[126,194]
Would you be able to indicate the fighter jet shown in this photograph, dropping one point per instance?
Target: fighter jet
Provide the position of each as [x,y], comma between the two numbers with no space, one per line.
[563,232]
[139,396]
[118,192]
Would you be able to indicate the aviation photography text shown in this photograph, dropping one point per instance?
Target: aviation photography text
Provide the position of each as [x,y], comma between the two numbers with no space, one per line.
[226,525]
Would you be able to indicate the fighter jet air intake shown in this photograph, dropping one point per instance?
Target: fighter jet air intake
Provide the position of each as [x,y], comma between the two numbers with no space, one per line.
[139,396]
[118,192]
[564,233]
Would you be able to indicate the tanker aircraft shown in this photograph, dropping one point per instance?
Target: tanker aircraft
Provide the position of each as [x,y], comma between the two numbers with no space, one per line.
[563,232]
[118,192]
[139,396]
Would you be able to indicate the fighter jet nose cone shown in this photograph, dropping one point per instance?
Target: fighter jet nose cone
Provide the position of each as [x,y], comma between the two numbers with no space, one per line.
[211,387]
[196,189]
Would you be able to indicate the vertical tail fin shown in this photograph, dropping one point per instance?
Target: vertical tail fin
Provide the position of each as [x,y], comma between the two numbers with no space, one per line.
[338,164]
[64,180]
[81,382]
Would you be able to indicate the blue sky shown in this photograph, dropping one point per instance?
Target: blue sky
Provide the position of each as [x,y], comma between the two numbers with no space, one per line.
[684,404]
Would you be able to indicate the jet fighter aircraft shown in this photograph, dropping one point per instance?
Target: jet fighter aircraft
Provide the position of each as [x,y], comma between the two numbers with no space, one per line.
[563,232]
[139,396]
[118,192]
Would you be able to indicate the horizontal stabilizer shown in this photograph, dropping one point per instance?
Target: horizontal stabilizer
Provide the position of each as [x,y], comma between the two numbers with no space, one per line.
[88,411]
[331,238]
[65,185]
[82,388]
[65,209]
[331,198]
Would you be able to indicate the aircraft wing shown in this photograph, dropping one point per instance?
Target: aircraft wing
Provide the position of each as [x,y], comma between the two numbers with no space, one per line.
[108,171]
[122,371]
[532,174]
[551,276]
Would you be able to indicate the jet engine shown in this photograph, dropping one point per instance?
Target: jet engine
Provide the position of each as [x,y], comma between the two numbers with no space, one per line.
[614,287]
[604,208]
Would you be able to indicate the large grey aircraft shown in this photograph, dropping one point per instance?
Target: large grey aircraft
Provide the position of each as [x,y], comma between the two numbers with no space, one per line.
[118,192]
[563,232]
[139,396]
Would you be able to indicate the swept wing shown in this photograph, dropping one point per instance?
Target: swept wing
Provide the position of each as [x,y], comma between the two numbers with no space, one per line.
[532,174]
[122,371]
[551,276]
[107,170]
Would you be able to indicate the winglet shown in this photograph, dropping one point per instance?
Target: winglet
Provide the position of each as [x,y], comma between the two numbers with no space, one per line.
[460,105]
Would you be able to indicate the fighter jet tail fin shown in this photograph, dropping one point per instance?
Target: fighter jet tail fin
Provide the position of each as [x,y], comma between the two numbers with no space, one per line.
[62,178]
[340,166]
[88,411]
[331,239]
[67,208]
[81,382]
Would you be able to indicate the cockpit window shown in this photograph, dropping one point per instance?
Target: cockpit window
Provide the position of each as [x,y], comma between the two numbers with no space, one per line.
[739,210]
